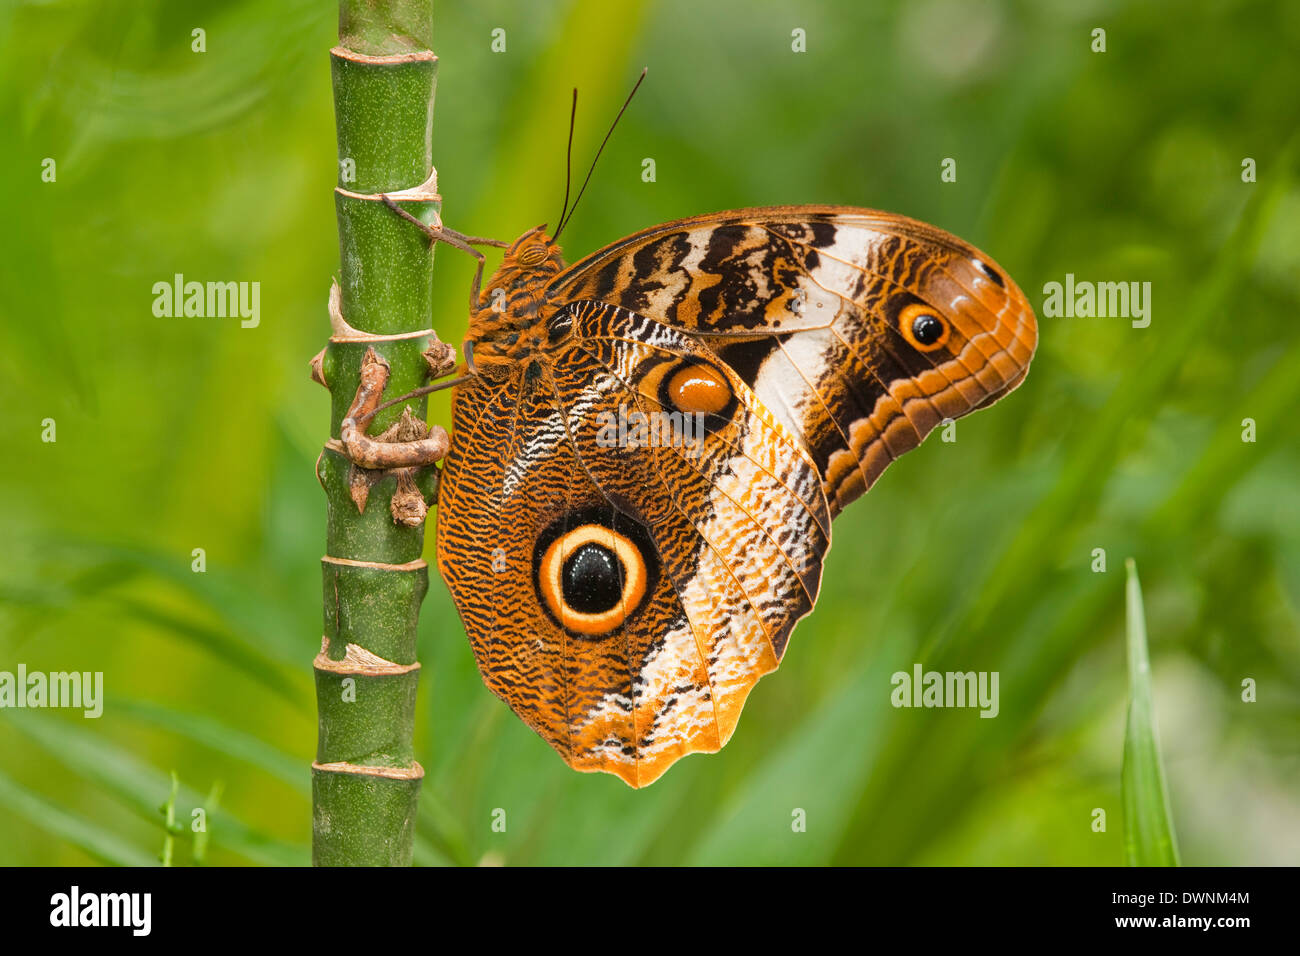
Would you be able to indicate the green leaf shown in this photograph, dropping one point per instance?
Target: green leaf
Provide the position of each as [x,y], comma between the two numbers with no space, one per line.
[1148,824]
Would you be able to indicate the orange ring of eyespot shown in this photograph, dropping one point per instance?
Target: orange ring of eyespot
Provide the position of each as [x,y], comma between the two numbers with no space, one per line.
[550,578]
[532,255]
[697,387]
[909,314]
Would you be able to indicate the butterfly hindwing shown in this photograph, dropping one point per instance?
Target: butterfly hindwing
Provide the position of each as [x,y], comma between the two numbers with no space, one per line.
[727,529]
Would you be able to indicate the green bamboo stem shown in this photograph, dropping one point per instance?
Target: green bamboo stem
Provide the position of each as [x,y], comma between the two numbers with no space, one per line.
[365,779]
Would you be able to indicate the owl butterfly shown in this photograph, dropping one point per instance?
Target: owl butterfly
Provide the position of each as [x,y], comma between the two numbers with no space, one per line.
[646,461]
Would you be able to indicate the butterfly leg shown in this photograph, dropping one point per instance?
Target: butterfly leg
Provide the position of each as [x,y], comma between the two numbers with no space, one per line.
[450,380]
[457,240]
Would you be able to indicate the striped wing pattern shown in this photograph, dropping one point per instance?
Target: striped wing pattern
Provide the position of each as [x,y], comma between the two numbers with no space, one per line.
[804,302]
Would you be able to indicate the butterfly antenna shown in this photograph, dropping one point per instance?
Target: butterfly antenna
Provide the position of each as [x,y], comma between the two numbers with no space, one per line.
[568,156]
[564,221]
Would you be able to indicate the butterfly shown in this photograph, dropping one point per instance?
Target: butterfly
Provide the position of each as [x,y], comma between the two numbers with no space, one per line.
[648,456]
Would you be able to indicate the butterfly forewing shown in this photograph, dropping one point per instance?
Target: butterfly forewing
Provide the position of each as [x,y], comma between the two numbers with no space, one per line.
[815,307]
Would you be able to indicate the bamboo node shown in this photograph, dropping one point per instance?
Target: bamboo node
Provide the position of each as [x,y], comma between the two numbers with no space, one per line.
[384,59]
[413,772]
[342,331]
[338,325]
[415,565]
[359,661]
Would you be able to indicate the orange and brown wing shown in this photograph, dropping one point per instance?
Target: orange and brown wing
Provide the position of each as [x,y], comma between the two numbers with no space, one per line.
[624,597]
[859,330]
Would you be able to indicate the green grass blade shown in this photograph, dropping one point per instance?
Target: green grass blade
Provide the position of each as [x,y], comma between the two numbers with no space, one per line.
[103,845]
[1148,824]
[140,786]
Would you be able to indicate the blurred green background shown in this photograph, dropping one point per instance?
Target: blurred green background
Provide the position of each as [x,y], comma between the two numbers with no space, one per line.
[175,434]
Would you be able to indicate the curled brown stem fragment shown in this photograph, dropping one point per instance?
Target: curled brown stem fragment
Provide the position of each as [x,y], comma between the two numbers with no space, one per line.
[382,453]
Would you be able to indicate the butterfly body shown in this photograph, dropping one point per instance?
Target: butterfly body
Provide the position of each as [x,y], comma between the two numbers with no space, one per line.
[638,499]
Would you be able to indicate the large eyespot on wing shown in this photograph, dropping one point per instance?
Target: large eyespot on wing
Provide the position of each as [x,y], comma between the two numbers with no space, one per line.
[625,598]
[593,570]
[736,513]
[860,330]
[571,607]
[558,588]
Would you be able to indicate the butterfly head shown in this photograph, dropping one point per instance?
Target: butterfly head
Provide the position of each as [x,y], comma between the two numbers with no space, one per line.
[505,328]
[532,255]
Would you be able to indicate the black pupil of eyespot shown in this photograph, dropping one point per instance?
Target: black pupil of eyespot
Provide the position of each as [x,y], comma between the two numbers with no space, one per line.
[926,329]
[592,580]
